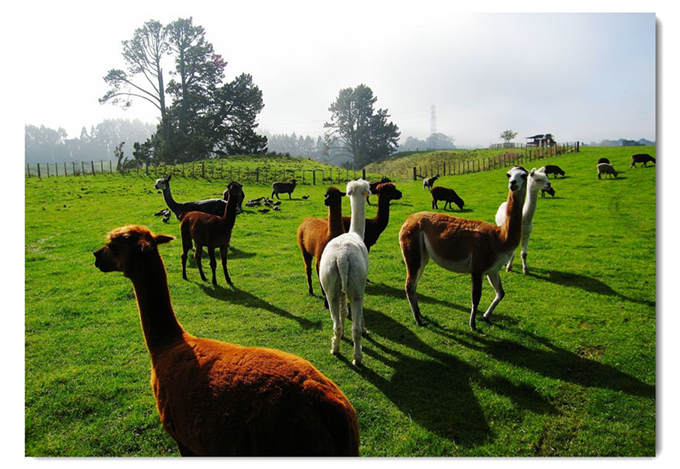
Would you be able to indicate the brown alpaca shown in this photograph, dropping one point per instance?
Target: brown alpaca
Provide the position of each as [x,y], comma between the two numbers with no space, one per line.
[376,225]
[314,233]
[212,232]
[465,246]
[220,399]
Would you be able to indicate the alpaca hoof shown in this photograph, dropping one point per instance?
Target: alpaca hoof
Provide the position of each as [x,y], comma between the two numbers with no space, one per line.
[508,268]
[525,271]
[365,333]
[356,362]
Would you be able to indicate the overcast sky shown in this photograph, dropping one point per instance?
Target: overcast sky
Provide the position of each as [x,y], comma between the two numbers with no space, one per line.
[584,77]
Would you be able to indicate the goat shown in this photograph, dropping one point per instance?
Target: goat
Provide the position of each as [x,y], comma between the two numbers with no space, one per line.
[211,206]
[643,158]
[552,169]
[220,399]
[550,191]
[283,188]
[314,233]
[447,195]
[429,182]
[343,271]
[604,168]
[465,246]
[212,232]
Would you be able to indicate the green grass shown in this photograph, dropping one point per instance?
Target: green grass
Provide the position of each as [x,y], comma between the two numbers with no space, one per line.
[567,368]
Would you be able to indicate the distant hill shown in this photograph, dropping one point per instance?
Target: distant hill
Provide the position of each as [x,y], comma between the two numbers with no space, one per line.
[622,142]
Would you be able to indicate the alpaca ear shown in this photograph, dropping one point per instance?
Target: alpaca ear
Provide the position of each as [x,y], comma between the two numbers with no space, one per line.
[532,172]
[163,239]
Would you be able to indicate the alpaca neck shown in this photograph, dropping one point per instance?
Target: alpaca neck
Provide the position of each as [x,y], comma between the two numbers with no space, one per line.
[530,203]
[358,219]
[169,201]
[335,226]
[383,215]
[158,319]
[511,231]
[228,218]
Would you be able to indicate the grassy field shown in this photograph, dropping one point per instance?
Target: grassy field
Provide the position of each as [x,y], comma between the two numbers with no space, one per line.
[567,367]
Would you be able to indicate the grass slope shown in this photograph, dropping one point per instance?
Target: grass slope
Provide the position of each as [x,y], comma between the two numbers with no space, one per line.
[567,368]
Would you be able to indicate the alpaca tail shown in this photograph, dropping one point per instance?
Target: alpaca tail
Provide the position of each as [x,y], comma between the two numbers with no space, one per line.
[342,265]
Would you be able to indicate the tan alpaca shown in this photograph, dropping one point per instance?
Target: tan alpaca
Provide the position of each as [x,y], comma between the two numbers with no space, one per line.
[474,247]
[220,399]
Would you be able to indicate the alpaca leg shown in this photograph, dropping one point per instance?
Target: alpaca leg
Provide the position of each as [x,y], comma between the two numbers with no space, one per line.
[223,254]
[357,328]
[414,270]
[213,264]
[335,304]
[525,250]
[187,244]
[495,281]
[476,296]
[197,255]
[508,267]
[307,259]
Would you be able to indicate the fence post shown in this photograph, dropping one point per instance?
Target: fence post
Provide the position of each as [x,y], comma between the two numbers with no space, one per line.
[415,178]
[39,171]
[363,174]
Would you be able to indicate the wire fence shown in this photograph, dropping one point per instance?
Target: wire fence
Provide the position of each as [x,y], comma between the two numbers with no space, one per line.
[200,169]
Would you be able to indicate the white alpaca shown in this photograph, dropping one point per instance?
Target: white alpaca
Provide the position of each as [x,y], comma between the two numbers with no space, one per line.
[537,180]
[343,271]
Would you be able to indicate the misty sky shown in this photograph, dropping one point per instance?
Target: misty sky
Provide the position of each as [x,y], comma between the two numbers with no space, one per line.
[584,77]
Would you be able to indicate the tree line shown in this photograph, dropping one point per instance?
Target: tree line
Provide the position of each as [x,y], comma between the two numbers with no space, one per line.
[201,115]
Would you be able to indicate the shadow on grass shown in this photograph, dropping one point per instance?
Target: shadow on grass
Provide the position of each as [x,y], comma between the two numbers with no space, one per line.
[386,290]
[249,301]
[555,362]
[590,284]
[437,392]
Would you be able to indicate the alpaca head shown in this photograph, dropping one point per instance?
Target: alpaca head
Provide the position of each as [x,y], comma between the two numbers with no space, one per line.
[358,187]
[162,183]
[126,246]
[234,188]
[389,191]
[333,197]
[539,180]
[517,178]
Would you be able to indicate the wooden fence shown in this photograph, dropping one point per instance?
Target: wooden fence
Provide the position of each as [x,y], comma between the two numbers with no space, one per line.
[508,158]
[211,170]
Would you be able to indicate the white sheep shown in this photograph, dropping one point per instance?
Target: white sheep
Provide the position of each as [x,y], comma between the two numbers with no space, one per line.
[343,271]
[604,168]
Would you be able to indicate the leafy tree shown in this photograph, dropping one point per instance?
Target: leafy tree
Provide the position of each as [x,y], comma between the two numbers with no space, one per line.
[508,135]
[143,79]
[207,116]
[359,130]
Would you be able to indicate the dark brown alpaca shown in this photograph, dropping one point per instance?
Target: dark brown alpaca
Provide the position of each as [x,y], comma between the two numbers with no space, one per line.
[212,232]
[376,225]
[314,233]
[465,246]
[220,399]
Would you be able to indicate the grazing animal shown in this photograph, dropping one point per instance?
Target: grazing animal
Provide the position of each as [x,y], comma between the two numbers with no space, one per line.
[643,158]
[538,180]
[283,188]
[211,206]
[376,225]
[604,168]
[313,234]
[343,271]
[464,246]
[374,185]
[552,169]
[550,191]
[429,182]
[220,399]
[212,232]
[305,197]
[447,195]
[603,160]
